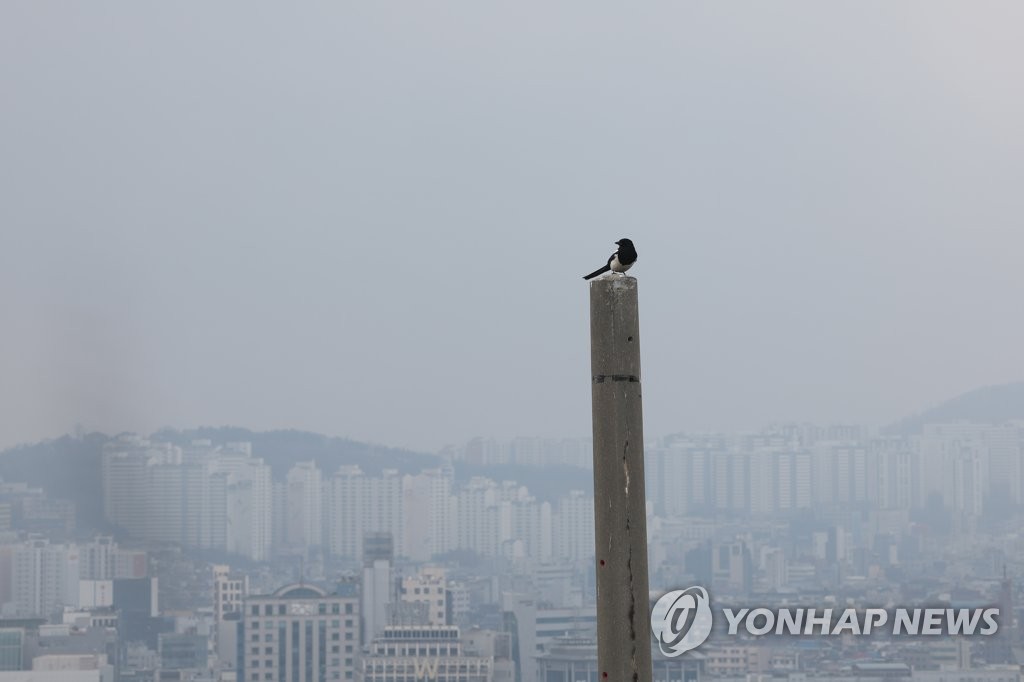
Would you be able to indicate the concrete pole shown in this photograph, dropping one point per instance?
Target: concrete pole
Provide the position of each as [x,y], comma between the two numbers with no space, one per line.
[620,511]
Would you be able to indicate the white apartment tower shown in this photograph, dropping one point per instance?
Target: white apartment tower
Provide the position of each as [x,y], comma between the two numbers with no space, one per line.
[429,513]
[303,506]
[574,527]
[357,504]
[248,501]
[44,577]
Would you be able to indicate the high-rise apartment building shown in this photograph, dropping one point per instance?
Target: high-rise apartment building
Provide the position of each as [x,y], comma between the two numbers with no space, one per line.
[429,511]
[574,526]
[303,506]
[357,504]
[44,577]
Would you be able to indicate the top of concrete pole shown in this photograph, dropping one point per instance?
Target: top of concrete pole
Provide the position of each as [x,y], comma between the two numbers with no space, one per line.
[614,309]
[614,280]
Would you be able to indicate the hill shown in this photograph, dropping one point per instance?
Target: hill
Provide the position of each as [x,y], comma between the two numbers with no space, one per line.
[64,467]
[282,449]
[991,405]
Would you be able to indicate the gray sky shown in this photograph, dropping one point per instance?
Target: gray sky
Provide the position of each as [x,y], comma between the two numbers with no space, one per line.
[371,220]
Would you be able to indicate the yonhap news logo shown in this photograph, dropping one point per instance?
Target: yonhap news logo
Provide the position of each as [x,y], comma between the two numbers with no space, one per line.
[682,619]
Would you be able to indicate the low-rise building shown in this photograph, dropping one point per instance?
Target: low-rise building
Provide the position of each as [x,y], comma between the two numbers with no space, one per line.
[410,654]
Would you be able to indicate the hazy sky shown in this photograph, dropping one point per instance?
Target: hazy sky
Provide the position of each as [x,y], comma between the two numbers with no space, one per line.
[371,219]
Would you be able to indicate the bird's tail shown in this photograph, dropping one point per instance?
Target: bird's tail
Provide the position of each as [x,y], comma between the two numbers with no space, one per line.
[599,271]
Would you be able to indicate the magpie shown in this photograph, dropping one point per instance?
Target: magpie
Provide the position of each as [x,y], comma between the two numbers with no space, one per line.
[620,261]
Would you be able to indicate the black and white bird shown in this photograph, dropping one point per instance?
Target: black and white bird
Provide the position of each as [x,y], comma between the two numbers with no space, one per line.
[620,261]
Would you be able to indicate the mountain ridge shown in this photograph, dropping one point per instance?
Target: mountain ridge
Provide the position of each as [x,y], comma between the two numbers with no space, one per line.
[993,404]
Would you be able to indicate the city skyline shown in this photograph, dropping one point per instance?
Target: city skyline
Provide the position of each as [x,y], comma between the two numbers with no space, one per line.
[211,560]
[298,381]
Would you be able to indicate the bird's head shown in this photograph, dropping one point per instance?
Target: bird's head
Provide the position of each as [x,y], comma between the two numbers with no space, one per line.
[624,242]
